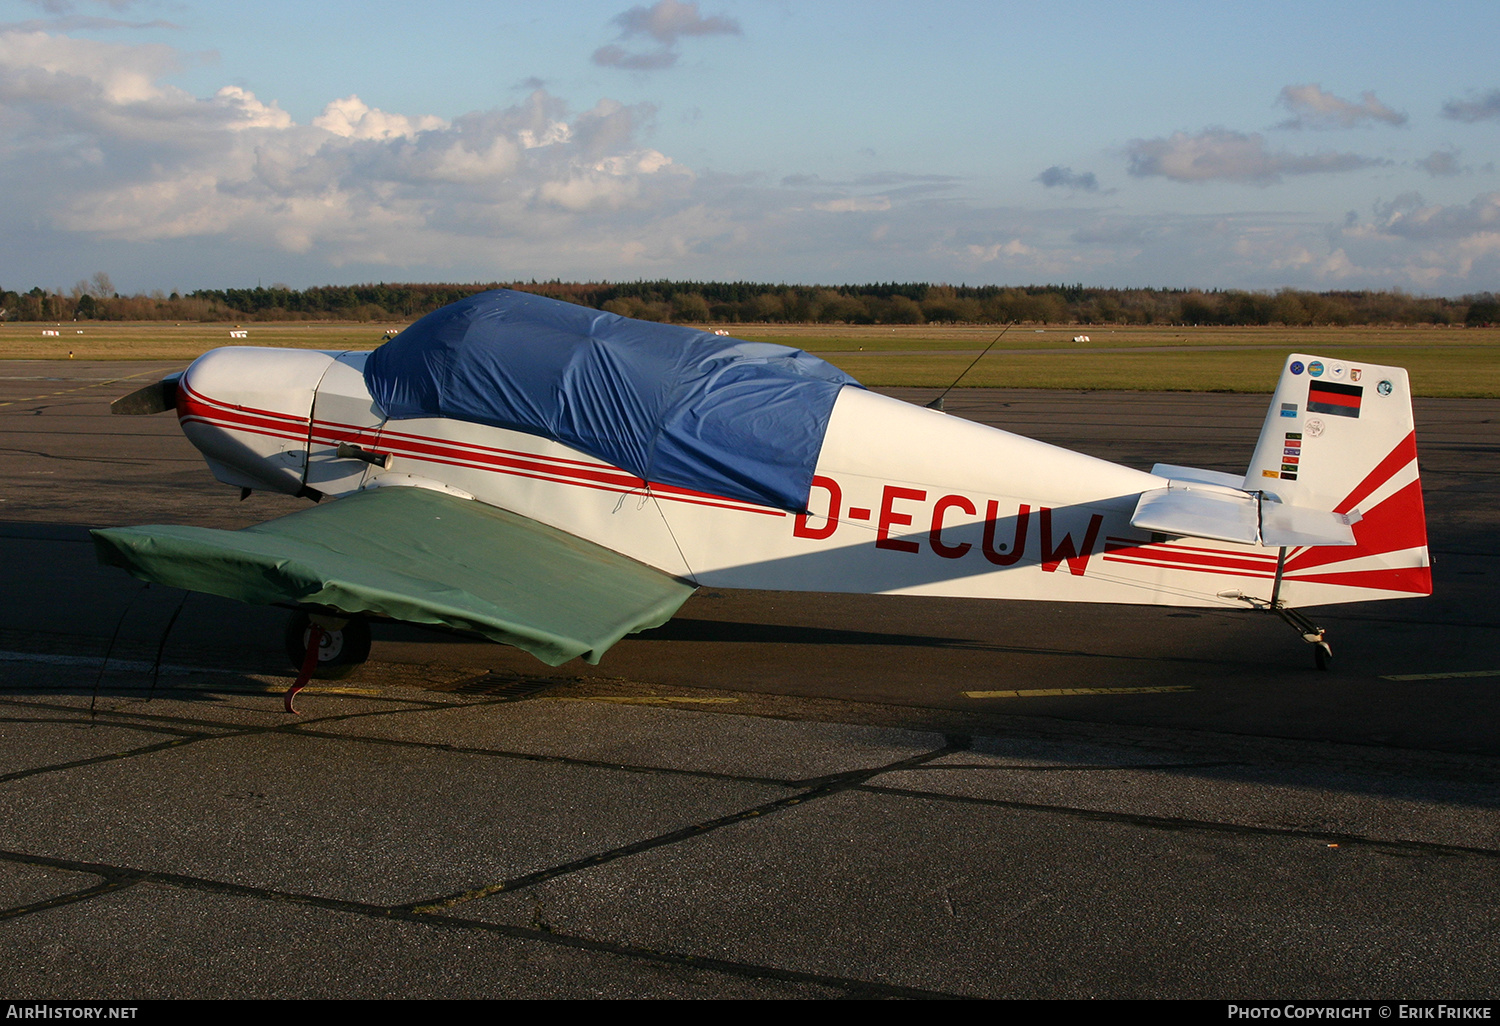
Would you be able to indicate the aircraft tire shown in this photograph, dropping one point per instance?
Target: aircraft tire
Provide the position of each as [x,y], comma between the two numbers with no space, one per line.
[341,651]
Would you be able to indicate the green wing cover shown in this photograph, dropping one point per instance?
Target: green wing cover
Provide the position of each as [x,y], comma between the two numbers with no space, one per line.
[422,556]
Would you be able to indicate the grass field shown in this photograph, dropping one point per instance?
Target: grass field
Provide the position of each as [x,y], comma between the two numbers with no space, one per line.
[1442,361]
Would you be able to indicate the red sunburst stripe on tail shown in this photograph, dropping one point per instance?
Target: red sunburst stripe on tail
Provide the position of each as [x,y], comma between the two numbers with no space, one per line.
[1416,580]
[1404,452]
[1398,523]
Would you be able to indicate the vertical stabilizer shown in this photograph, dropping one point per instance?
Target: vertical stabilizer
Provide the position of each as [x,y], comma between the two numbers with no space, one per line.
[1340,437]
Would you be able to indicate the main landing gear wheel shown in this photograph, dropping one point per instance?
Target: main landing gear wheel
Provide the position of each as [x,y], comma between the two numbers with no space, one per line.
[343,643]
[1322,655]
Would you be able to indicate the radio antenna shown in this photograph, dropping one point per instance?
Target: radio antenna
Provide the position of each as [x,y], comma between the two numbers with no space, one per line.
[937,404]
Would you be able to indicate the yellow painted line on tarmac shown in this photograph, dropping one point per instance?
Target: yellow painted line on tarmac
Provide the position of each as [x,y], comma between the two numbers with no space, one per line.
[1062,692]
[270,689]
[643,700]
[238,688]
[80,388]
[1442,676]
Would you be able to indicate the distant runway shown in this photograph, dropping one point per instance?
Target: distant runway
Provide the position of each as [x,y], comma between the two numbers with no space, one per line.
[1064,349]
[776,794]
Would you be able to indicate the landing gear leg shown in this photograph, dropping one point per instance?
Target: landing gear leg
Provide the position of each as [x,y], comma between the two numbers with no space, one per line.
[1311,633]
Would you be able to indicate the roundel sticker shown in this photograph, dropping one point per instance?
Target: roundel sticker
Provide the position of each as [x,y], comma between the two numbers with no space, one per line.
[1296,367]
[1315,368]
[1384,388]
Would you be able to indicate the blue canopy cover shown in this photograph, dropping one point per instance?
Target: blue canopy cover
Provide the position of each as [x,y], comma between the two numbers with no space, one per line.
[672,405]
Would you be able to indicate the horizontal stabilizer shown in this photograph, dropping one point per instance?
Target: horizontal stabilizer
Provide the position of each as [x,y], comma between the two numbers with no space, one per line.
[421,556]
[1289,526]
[1192,475]
[1204,512]
[1232,515]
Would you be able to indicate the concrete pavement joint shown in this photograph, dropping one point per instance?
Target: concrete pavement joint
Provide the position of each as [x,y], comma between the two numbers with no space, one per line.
[819,787]
[74,459]
[560,760]
[107,887]
[301,729]
[120,877]
[95,760]
[1183,823]
[1150,767]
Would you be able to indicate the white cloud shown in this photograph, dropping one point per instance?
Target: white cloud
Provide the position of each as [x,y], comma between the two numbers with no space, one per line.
[1449,247]
[37,64]
[1409,217]
[613,55]
[993,252]
[664,22]
[1066,177]
[854,204]
[1482,107]
[352,118]
[1311,107]
[248,112]
[639,162]
[1220,154]
[134,159]
[556,132]
[1440,163]
[100,154]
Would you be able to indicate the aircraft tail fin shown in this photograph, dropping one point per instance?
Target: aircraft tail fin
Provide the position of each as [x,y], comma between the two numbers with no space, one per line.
[1339,437]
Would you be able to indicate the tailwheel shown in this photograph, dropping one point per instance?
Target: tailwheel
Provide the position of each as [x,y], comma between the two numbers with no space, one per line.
[1311,633]
[343,643]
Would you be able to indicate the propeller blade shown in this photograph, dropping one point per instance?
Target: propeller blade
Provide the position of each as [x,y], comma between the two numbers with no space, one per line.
[157,397]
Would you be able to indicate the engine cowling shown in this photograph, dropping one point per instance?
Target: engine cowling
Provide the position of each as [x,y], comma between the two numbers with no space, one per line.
[249,411]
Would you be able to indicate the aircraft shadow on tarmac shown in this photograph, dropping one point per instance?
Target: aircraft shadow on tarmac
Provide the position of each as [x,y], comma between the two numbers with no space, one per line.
[745,632]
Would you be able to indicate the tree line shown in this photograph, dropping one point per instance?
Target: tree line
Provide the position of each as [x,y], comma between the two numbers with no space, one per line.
[693,302]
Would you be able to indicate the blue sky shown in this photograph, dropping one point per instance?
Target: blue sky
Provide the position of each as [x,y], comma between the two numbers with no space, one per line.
[179,145]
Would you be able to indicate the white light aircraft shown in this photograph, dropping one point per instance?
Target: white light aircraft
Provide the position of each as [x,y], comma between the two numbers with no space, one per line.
[555,478]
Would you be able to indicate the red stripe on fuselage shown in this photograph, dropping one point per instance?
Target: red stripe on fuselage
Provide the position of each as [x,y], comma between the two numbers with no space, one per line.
[199,409]
[194,408]
[1188,558]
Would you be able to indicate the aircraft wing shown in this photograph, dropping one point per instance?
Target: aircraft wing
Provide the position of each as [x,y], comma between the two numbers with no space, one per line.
[422,556]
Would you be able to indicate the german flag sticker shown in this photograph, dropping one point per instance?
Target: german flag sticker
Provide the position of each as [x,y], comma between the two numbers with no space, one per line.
[1334,399]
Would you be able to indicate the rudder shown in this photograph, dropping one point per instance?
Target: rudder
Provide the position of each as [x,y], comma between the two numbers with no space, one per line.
[1340,437]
